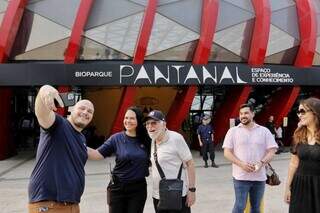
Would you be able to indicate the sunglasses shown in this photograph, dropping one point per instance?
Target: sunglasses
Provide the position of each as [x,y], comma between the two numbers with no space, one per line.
[302,111]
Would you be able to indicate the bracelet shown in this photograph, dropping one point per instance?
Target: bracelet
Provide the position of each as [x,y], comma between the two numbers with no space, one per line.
[192,189]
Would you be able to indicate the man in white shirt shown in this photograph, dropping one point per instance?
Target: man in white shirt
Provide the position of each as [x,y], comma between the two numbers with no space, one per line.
[172,150]
[249,147]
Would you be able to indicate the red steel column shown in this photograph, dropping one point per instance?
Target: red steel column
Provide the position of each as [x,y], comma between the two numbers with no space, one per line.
[8,31]
[181,105]
[239,95]
[128,94]
[72,51]
[283,101]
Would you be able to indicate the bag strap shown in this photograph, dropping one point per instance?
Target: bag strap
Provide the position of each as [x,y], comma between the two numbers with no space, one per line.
[271,168]
[162,175]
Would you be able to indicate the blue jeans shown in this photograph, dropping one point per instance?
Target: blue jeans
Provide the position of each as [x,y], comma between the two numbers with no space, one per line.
[242,188]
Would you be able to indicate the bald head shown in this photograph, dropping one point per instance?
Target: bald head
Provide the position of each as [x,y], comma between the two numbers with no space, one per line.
[82,114]
[86,103]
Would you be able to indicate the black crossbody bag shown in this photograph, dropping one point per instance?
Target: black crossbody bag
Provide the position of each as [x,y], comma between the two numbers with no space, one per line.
[170,190]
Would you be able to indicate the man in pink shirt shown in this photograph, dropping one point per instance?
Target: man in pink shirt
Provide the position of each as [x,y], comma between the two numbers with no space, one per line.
[249,147]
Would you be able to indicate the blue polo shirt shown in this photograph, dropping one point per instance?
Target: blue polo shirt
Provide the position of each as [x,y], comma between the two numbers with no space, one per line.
[59,171]
[132,161]
[205,132]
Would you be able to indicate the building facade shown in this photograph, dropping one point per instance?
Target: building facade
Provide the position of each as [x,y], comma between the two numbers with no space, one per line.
[198,32]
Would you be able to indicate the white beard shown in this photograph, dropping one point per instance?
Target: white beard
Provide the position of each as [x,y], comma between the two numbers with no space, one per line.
[154,135]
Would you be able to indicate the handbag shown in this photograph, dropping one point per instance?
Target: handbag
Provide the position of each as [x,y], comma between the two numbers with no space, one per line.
[272,176]
[170,190]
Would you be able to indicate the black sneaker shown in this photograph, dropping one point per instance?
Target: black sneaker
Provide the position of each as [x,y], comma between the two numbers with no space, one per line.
[214,165]
[206,165]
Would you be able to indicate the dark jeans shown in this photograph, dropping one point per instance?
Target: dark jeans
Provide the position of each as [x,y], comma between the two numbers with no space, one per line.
[207,147]
[242,188]
[184,209]
[128,197]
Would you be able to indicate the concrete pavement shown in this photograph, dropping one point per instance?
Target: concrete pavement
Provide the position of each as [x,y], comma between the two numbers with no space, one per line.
[214,186]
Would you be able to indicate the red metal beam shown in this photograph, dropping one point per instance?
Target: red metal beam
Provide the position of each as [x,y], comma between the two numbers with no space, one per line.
[9,27]
[280,105]
[127,98]
[283,101]
[72,51]
[239,95]
[229,109]
[8,31]
[260,35]
[181,105]
[307,20]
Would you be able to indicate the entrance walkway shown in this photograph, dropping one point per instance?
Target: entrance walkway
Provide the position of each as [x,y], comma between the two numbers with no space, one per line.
[214,186]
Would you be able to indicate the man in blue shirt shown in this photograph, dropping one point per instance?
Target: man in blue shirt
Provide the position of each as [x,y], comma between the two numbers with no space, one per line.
[57,181]
[205,137]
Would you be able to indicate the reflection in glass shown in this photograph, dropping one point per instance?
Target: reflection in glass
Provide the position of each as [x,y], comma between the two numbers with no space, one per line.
[1,17]
[161,2]
[91,50]
[54,51]
[285,57]
[23,34]
[203,102]
[36,31]
[183,52]
[166,34]
[279,41]
[3,6]
[316,59]
[318,44]
[120,35]
[223,55]
[237,39]
[196,103]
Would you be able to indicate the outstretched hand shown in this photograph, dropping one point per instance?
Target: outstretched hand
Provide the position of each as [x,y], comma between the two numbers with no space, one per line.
[47,95]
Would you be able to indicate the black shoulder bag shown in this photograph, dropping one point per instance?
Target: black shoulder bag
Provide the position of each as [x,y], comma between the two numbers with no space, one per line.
[170,190]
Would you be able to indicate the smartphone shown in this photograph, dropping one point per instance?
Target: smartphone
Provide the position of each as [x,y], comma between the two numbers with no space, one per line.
[68,98]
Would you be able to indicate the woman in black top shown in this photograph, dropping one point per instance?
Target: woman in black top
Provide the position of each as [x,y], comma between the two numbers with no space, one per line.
[128,189]
[303,182]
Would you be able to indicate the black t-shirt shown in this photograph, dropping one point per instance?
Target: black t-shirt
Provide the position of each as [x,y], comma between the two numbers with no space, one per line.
[132,161]
[205,132]
[59,171]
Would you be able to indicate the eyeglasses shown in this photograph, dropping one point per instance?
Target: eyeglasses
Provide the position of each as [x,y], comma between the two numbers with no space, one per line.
[302,111]
[151,123]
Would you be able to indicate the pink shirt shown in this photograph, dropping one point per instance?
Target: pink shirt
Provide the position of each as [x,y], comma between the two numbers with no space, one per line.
[249,145]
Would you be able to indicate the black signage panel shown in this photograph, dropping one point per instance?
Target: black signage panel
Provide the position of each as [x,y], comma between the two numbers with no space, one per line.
[117,73]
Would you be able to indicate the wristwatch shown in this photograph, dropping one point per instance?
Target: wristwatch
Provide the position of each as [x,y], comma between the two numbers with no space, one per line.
[192,189]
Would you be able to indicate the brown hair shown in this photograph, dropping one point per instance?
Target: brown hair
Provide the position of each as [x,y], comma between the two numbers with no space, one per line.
[246,105]
[300,134]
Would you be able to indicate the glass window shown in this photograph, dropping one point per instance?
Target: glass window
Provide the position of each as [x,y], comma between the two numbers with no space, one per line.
[182,52]
[91,50]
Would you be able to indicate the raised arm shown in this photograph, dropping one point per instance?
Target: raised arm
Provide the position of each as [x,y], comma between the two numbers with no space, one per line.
[45,107]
